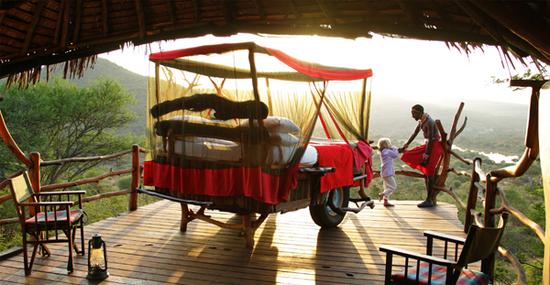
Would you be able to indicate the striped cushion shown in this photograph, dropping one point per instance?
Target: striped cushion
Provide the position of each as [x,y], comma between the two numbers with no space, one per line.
[467,277]
[51,216]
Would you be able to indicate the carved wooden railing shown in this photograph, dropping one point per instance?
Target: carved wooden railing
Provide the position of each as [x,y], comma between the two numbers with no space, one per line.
[35,165]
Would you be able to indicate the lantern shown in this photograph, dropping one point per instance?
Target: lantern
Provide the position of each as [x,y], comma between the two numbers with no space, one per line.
[97,259]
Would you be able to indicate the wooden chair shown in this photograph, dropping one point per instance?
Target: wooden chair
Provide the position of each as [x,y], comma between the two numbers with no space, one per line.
[451,269]
[47,217]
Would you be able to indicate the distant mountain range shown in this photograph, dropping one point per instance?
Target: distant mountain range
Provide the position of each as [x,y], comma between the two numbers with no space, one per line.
[491,126]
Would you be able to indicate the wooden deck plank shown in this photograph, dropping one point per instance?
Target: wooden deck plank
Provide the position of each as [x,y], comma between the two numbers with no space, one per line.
[146,247]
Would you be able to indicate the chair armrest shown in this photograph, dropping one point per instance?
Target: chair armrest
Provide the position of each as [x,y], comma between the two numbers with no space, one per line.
[415,255]
[60,203]
[444,237]
[73,192]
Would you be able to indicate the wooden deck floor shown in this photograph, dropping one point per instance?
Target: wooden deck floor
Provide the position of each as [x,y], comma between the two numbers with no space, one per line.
[146,247]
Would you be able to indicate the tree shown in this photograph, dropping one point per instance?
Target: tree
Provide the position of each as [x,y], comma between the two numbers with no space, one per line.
[60,120]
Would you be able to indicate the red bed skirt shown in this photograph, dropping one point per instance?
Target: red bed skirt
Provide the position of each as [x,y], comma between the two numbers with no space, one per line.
[250,182]
[413,158]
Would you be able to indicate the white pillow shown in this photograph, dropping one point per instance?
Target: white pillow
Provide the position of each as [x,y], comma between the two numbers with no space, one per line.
[310,156]
[277,124]
[280,124]
[283,139]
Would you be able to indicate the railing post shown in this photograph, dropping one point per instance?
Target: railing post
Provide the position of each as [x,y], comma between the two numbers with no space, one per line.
[488,264]
[472,195]
[34,171]
[136,173]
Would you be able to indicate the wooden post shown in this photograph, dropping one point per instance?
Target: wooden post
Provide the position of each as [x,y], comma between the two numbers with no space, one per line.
[472,195]
[136,173]
[544,144]
[34,171]
[488,264]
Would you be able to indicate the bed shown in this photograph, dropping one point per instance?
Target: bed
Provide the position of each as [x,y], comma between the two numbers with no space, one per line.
[248,150]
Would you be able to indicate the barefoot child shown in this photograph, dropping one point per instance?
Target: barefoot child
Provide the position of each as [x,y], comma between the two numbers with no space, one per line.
[387,154]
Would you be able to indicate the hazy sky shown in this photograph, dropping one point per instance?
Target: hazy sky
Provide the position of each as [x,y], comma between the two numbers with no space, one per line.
[415,70]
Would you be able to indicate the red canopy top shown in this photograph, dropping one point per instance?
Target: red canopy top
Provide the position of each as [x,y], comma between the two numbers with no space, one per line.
[307,68]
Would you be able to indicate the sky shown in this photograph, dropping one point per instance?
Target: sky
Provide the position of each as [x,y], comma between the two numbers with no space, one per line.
[425,71]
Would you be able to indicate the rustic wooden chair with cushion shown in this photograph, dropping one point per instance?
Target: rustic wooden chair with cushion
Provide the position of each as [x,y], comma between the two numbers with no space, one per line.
[47,217]
[451,269]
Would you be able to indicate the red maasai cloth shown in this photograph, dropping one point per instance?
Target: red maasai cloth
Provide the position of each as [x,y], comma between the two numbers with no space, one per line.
[340,157]
[413,158]
[250,182]
[362,154]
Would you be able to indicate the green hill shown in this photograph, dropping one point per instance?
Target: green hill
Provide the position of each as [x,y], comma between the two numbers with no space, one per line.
[135,84]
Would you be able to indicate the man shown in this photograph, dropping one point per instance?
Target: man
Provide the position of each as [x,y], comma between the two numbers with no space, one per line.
[424,157]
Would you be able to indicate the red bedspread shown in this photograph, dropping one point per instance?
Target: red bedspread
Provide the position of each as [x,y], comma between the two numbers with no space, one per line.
[250,182]
[339,156]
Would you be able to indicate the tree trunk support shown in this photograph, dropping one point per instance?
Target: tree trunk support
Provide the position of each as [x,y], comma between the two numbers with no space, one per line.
[247,227]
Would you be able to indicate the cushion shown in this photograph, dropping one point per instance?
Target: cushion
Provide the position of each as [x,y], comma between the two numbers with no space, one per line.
[276,124]
[61,216]
[439,273]
[283,139]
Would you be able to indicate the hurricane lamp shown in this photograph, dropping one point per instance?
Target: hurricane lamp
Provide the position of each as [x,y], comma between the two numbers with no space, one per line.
[97,259]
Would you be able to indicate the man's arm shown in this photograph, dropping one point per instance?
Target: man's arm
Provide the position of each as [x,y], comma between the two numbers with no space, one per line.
[415,133]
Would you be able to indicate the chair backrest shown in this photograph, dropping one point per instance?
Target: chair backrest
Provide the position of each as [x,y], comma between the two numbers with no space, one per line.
[481,242]
[21,187]
[22,191]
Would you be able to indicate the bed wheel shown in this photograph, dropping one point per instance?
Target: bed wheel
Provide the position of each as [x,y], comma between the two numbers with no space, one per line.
[323,215]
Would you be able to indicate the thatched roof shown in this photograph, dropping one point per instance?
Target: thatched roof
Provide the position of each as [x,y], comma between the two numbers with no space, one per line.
[44,32]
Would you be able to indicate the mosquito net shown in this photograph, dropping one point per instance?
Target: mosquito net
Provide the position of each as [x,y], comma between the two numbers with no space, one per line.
[239,117]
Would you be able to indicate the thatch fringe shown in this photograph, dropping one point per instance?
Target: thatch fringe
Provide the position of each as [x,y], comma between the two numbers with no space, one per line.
[74,68]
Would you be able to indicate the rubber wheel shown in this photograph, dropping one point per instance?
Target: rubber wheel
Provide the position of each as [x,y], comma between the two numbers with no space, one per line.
[323,215]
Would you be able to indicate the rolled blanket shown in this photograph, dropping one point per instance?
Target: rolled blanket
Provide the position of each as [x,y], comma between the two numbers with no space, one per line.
[225,108]
[413,158]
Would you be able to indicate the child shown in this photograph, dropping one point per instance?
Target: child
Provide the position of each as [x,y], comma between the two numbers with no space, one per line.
[387,154]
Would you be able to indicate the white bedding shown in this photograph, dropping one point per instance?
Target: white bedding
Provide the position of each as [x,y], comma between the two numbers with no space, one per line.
[224,150]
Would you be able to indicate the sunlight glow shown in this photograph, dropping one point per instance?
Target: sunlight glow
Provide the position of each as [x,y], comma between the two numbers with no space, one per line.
[427,71]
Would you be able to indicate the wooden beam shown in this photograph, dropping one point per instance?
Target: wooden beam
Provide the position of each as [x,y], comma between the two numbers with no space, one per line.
[294,9]
[196,11]
[260,9]
[105,16]
[140,18]
[59,21]
[35,19]
[66,20]
[2,16]
[323,6]
[172,11]
[228,11]
[77,22]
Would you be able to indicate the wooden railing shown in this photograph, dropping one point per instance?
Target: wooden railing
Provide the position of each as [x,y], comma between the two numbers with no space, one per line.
[135,171]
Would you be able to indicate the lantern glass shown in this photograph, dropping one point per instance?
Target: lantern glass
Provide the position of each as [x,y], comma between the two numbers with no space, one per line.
[97,259]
